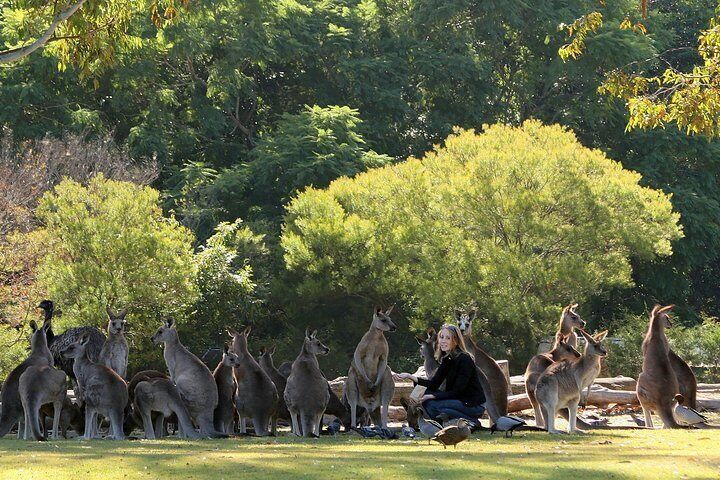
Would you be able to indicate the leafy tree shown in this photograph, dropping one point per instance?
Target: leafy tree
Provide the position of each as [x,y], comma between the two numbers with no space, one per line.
[522,220]
[109,244]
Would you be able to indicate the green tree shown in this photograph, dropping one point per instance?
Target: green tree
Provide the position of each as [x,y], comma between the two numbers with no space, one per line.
[109,244]
[522,220]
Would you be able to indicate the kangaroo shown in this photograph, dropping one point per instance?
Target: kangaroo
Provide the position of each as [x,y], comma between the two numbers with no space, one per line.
[104,391]
[256,397]
[193,379]
[12,410]
[71,416]
[427,351]
[134,420]
[538,364]
[40,385]
[569,321]
[369,383]
[267,364]
[161,395]
[494,384]
[224,412]
[306,393]
[687,383]
[657,384]
[114,352]
[561,383]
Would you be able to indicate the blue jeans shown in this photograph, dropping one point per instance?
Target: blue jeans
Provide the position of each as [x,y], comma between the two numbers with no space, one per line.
[453,409]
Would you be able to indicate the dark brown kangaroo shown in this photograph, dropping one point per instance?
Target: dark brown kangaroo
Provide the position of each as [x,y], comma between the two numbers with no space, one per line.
[657,384]
[266,362]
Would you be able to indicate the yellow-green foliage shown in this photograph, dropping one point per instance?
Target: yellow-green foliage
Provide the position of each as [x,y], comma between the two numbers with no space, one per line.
[109,243]
[522,220]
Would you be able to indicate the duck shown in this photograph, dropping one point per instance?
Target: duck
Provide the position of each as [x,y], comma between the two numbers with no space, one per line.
[687,415]
[453,434]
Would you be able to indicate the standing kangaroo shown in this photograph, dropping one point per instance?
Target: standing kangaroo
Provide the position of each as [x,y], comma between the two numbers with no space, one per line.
[162,396]
[267,364]
[495,381]
[40,385]
[561,383]
[306,393]
[687,383]
[114,352]
[657,384]
[369,382]
[538,364]
[427,351]
[12,410]
[225,411]
[193,379]
[256,396]
[104,391]
[569,321]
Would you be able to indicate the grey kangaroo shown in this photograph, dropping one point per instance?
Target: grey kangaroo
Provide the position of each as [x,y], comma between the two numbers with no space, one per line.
[427,351]
[561,383]
[40,385]
[193,379]
[256,397]
[569,321]
[369,383]
[657,384]
[162,396]
[306,393]
[114,352]
[538,364]
[104,391]
[71,416]
[224,414]
[267,364]
[495,381]
[12,410]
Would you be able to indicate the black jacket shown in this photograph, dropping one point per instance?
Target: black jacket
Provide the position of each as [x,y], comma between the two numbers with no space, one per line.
[462,381]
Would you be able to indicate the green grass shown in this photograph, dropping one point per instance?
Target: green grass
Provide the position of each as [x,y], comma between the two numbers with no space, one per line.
[530,455]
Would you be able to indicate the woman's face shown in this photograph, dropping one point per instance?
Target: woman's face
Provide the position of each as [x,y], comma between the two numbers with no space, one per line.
[446,341]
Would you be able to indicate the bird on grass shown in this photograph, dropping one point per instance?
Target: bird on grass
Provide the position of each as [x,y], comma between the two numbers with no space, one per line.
[453,434]
[334,427]
[507,424]
[428,427]
[687,415]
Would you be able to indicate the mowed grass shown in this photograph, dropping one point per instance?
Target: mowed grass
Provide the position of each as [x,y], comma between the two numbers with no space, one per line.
[529,455]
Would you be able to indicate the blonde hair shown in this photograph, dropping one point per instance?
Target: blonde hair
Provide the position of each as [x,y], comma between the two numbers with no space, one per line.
[457,337]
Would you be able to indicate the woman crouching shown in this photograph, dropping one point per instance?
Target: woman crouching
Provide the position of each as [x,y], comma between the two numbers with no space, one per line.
[463,395]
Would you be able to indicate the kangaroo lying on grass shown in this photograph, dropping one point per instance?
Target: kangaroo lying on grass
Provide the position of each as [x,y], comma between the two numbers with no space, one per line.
[306,393]
[256,397]
[657,384]
[539,363]
[12,410]
[114,352]
[224,414]
[495,381]
[162,396]
[561,384]
[369,383]
[40,385]
[104,391]
[193,379]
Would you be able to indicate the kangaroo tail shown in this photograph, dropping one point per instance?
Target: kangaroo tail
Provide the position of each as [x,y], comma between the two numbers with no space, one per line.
[7,420]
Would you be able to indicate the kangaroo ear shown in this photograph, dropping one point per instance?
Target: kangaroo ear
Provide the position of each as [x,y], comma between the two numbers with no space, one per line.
[666,309]
[457,314]
[573,306]
[84,339]
[472,314]
[307,332]
[313,335]
[122,314]
[599,337]
[109,311]
[430,332]
[419,339]
[387,312]
[587,336]
[655,310]
[272,349]
[226,349]
[377,310]
[247,330]
[33,326]
[231,331]
[170,322]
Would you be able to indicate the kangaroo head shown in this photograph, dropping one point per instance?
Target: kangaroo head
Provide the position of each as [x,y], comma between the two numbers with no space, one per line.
[266,354]
[39,335]
[594,345]
[239,344]
[660,316]
[77,348]
[427,343]
[166,332]
[382,321]
[313,345]
[563,350]
[229,358]
[569,319]
[116,321]
[464,321]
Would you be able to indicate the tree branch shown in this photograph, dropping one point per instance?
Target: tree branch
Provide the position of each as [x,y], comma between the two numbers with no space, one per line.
[18,53]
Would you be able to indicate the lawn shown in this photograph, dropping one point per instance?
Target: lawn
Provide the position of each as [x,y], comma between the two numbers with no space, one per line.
[529,455]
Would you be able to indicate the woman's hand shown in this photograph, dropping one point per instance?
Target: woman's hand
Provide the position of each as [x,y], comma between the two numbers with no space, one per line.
[405,376]
[427,397]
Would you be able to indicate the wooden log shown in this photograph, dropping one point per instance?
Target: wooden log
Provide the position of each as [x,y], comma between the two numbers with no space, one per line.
[627,384]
